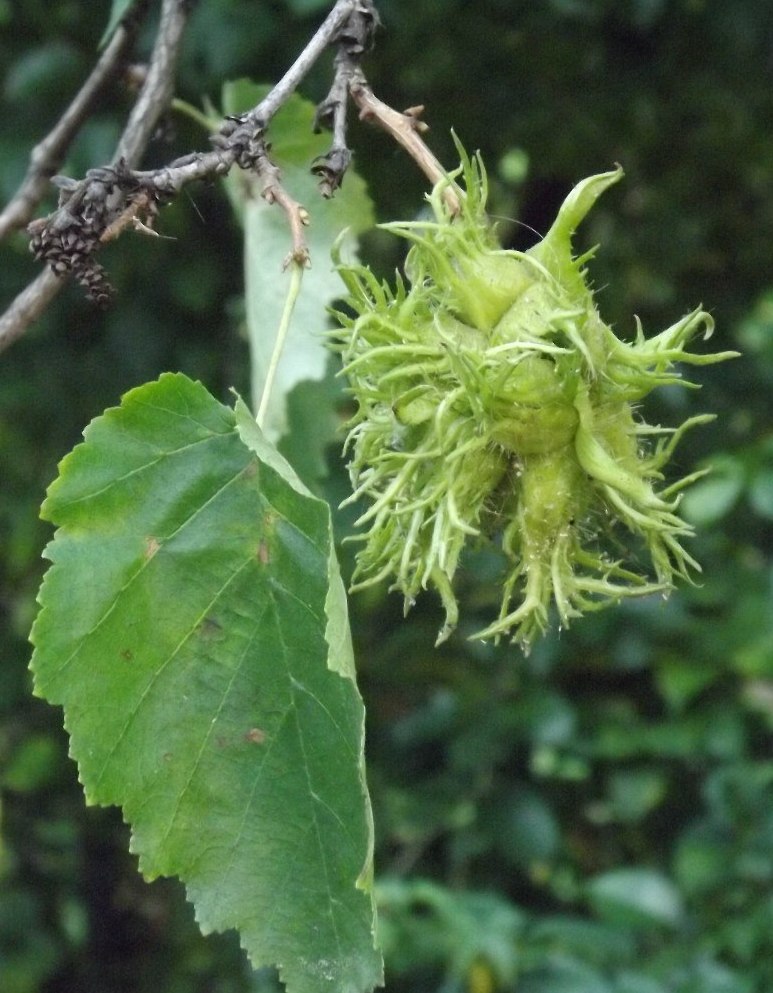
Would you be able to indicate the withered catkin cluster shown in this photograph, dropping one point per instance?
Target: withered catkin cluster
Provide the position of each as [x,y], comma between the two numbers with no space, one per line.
[69,239]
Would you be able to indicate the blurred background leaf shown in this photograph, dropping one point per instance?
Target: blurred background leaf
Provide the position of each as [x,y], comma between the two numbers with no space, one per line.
[305,358]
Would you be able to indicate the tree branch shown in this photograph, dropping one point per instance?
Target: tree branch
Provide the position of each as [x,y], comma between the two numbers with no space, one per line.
[111,198]
[74,240]
[69,238]
[297,215]
[28,306]
[158,86]
[48,155]
[406,129]
[240,139]
[355,38]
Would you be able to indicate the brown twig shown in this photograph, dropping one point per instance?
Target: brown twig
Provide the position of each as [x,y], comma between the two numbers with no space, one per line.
[70,236]
[47,156]
[331,113]
[80,239]
[140,215]
[297,215]
[406,129]
[158,85]
[110,198]
[28,306]
[354,39]
[240,139]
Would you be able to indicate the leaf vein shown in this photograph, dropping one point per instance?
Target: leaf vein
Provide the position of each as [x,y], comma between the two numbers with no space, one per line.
[331,718]
[235,674]
[157,674]
[115,481]
[143,565]
[317,830]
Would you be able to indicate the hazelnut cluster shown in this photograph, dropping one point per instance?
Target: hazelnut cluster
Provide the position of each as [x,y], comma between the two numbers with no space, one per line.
[495,406]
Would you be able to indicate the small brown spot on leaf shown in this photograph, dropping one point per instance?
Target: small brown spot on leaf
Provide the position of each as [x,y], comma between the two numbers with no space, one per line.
[210,628]
[269,521]
[256,736]
[152,545]
[263,553]
[127,655]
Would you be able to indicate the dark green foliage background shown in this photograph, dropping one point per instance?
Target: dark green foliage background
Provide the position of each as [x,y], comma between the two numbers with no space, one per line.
[597,818]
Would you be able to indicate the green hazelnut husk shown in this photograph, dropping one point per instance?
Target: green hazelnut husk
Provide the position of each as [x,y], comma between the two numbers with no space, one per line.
[494,405]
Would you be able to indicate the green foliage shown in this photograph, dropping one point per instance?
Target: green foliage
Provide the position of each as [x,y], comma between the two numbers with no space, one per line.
[117,12]
[194,629]
[304,357]
[639,739]
[635,896]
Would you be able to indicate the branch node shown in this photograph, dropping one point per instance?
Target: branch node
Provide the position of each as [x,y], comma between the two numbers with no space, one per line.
[413,115]
[330,169]
[356,34]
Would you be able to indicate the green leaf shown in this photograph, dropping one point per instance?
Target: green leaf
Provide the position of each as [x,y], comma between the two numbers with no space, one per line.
[761,492]
[634,793]
[33,765]
[313,419]
[117,13]
[294,147]
[525,827]
[630,982]
[193,627]
[680,680]
[302,7]
[712,498]
[569,976]
[703,861]
[578,937]
[636,897]
[424,923]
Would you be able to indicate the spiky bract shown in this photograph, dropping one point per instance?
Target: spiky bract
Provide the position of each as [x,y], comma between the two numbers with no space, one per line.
[494,404]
